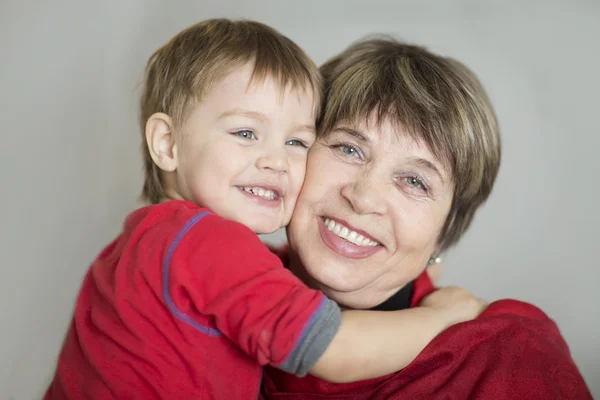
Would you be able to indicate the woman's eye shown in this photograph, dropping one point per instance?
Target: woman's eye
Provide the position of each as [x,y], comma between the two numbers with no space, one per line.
[414,182]
[417,182]
[246,134]
[347,150]
[296,142]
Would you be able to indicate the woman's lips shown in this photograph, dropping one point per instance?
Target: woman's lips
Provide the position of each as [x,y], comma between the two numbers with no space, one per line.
[342,246]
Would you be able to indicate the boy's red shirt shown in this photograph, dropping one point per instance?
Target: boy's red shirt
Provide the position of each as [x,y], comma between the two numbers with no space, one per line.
[186,305]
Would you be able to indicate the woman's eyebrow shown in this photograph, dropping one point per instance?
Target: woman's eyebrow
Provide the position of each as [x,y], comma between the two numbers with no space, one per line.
[427,165]
[358,135]
[415,160]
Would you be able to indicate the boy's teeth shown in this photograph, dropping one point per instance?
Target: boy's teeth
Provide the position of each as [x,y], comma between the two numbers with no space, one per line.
[257,191]
[345,233]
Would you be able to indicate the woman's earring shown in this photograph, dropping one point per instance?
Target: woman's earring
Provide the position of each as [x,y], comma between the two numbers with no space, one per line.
[434,260]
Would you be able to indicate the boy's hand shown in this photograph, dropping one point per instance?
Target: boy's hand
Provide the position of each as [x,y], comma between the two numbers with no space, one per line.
[456,304]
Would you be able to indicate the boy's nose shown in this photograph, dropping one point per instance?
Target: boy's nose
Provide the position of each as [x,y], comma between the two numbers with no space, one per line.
[274,160]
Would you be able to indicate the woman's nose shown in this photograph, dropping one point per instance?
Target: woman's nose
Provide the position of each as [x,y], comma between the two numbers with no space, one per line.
[365,195]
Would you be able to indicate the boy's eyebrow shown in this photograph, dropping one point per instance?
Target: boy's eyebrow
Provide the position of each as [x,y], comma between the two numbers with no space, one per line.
[311,128]
[262,117]
[245,113]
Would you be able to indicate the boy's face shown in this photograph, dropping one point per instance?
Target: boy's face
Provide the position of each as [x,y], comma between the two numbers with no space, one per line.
[242,151]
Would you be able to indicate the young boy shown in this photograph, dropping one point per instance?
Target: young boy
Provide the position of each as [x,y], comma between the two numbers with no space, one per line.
[187,302]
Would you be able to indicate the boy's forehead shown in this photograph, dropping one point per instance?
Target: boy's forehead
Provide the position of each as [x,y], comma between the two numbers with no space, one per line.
[240,94]
[244,79]
[274,84]
[242,89]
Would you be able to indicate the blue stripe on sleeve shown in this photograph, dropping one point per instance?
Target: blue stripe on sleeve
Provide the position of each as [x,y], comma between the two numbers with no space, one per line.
[166,268]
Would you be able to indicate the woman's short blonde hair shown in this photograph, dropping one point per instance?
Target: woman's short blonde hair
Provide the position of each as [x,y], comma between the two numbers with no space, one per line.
[181,72]
[436,99]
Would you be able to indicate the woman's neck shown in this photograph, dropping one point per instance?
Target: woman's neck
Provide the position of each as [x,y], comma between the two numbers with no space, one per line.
[397,299]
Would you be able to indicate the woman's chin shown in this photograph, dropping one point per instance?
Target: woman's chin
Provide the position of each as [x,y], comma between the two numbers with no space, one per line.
[349,295]
[334,277]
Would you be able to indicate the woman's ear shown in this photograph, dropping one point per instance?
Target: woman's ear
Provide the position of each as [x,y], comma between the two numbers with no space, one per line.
[160,138]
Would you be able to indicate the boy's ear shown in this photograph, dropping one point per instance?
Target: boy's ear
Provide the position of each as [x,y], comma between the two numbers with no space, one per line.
[161,141]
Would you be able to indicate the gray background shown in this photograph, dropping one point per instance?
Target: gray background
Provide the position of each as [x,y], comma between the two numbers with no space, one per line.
[70,168]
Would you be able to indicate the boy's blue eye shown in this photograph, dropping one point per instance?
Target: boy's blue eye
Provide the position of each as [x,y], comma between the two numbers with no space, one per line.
[296,142]
[246,134]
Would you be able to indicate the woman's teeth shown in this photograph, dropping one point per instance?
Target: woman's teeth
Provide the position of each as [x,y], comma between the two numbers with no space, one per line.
[257,191]
[345,233]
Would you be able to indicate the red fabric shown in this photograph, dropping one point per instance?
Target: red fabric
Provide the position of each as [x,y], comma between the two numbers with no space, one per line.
[512,351]
[182,305]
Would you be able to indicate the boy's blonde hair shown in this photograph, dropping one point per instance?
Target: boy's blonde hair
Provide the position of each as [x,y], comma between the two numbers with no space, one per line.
[180,73]
[436,99]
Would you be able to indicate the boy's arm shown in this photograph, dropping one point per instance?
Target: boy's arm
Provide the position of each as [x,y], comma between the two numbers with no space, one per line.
[370,344]
[223,281]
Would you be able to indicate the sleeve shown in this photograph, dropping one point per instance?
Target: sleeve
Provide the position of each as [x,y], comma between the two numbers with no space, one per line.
[513,347]
[222,280]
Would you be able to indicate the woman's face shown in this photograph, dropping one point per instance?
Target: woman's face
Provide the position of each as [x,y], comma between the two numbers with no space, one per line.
[369,214]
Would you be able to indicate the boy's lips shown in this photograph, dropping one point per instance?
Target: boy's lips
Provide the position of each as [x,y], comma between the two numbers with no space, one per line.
[266,195]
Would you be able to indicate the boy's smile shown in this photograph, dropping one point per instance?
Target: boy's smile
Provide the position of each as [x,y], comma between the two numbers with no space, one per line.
[269,194]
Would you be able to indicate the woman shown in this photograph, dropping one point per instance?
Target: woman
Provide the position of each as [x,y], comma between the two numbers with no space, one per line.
[409,148]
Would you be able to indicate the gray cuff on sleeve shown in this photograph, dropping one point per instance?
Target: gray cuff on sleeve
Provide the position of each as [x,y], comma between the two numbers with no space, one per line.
[316,337]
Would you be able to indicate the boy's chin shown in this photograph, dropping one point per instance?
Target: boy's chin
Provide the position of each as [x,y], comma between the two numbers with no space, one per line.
[263,227]
[264,231]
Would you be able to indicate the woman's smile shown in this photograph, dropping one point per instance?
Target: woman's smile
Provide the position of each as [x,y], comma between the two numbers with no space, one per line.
[345,241]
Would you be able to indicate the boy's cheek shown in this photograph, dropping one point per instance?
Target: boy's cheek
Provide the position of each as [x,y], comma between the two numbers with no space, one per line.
[289,209]
[296,178]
